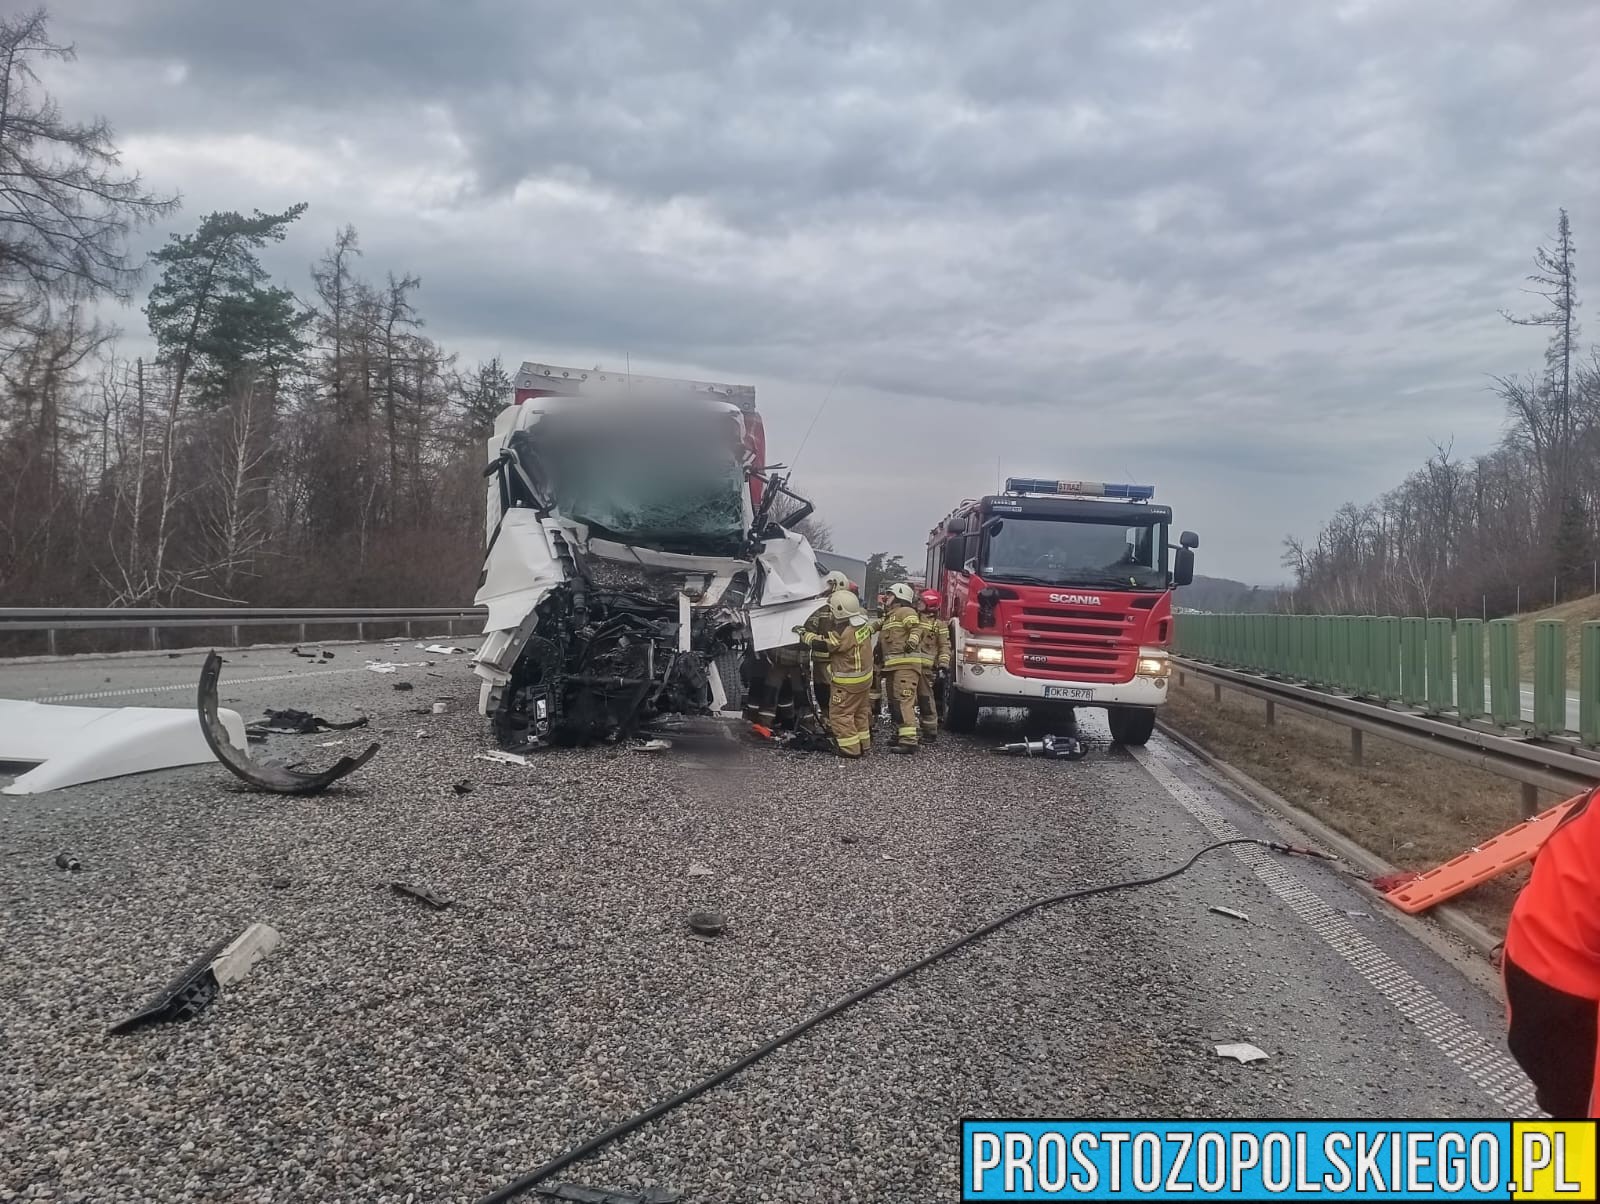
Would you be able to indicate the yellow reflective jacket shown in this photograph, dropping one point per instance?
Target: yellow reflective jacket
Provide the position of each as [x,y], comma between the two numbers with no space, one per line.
[819,622]
[935,651]
[902,638]
[849,651]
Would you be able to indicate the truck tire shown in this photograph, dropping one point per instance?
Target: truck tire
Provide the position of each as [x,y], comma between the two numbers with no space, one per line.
[960,710]
[1131,726]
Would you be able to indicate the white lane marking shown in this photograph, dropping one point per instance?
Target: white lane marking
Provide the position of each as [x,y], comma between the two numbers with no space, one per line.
[190,685]
[1486,1064]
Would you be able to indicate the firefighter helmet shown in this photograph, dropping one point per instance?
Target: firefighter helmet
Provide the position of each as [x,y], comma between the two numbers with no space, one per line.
[843,604]
[901,591]
[836,581]
[932,599]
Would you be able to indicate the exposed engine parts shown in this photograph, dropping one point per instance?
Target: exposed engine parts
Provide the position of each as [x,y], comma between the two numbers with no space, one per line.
[606,665]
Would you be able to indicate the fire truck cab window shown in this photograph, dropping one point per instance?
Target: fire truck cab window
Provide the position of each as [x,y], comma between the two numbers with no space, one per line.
[1060,552]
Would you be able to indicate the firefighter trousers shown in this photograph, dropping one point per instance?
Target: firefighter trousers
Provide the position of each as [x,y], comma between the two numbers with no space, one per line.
[903,684]
[778,706]
[927,708]
[850,719]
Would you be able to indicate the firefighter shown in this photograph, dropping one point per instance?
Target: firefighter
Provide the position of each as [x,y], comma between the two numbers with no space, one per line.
[849,645]
[1551,968]
[819,622]
[934,658]
[901,641]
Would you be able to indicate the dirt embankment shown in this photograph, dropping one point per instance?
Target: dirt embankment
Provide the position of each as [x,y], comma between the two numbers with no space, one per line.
[1411,808]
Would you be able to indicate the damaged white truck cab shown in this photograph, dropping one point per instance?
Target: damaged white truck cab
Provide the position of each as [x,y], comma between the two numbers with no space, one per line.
[633,558]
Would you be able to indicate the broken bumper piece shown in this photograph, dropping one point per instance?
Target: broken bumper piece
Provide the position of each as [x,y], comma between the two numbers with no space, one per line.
[275,778]
[184,998]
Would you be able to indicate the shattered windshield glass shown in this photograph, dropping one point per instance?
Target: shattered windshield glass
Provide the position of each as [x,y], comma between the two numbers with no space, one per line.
[669,481]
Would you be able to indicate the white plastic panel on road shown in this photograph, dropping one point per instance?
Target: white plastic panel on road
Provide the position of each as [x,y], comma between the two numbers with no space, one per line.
[70,745]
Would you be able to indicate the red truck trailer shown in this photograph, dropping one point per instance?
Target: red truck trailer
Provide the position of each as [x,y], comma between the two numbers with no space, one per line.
[1059,595]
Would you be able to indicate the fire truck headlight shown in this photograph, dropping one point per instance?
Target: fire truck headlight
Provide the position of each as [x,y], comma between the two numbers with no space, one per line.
[983,652]
[1153,662]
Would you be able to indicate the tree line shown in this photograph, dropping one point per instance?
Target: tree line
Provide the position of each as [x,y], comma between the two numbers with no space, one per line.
[284,443]
[1511,529]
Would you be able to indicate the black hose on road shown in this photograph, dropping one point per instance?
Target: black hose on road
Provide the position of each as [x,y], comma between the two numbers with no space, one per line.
[594,1144]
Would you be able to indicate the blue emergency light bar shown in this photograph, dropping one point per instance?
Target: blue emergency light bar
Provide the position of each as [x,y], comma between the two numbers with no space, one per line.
[1131,493]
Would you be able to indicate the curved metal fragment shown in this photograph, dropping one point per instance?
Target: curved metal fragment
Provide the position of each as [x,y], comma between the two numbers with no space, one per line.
[275,778]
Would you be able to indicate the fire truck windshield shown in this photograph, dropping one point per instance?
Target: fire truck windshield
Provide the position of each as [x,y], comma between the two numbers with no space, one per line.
[1046,551]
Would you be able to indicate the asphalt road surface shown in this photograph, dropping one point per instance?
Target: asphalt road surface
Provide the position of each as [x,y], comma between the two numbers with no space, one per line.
[387,1052]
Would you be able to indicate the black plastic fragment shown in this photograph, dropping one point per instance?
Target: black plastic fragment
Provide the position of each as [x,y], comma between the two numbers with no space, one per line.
[574,1194]
[291,722]
[275,778]
[184,998]
[308,656]
[66,861]
[420,893]
[463,787]
[404,685]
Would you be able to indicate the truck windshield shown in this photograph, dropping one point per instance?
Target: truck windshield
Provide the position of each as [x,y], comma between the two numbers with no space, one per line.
[669,486]
[1045,551]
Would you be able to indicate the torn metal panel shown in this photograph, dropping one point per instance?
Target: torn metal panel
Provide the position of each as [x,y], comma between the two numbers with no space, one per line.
[70,745]
[275,778]
[773,626]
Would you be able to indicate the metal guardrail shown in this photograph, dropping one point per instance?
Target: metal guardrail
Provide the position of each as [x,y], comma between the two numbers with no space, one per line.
[1436,666]
[155,619]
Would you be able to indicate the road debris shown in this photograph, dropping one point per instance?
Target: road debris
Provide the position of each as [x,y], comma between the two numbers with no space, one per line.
[275,778]
[440,649]
[197,986]
[439,708]
[462,787]
[656,745]
[1050,748]
[505,758]
[184,998]
[307,656]
[66,861]
[420,893]
[1242,1052]
[237,960]
[698,870]
[570,1193]
[278,883]
[404,685]
[707,923]
[1228,911]
[380,667]
[299,723]
[71,745]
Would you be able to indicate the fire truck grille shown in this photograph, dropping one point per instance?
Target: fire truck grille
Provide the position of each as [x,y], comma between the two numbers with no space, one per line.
[1072,644]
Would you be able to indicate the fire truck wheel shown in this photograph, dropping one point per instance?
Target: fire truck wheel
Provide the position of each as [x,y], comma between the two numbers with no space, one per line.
[1131,725]
[960,710]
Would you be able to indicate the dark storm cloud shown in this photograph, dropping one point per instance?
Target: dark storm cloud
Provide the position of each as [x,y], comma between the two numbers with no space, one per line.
[1242,235]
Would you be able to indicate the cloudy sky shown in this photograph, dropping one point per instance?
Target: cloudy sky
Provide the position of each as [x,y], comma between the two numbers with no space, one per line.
[1251,252]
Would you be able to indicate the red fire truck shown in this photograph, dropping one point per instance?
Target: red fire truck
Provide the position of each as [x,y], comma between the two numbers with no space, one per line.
[1059,595]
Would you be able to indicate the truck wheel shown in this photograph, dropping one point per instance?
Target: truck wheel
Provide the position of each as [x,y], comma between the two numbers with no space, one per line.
[960,709]
[1131,725]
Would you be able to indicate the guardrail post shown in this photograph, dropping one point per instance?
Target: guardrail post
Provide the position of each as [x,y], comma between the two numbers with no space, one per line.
[1356,751]
[1441,670]
[302,633]
[1505,673]
[1413,661]
[50,640]
[361,631]
[1469,668]
[1530,800]
[234,631]
[155,639]
[408,629]
[1589,684]
[1549,677]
